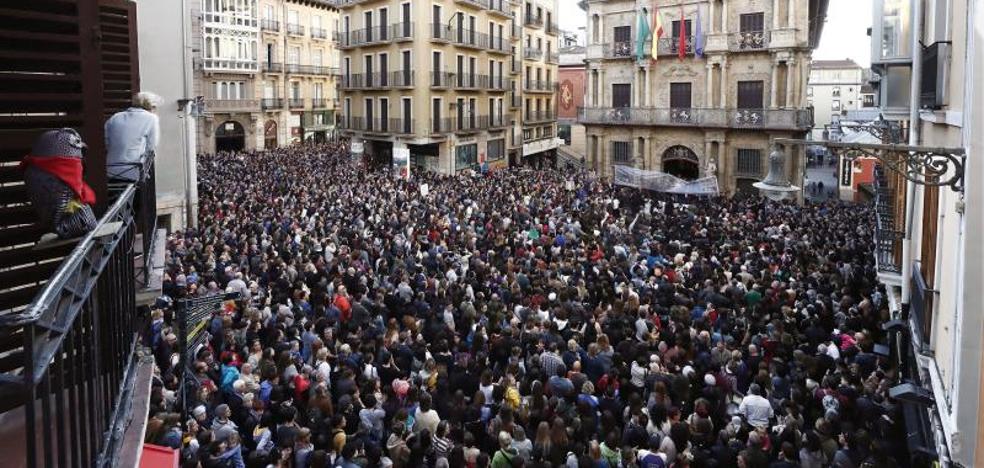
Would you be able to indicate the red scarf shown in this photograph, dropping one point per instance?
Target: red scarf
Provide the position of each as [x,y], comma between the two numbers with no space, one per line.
[67,169]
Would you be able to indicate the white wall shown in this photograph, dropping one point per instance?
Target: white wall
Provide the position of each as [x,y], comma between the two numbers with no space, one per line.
[160,35]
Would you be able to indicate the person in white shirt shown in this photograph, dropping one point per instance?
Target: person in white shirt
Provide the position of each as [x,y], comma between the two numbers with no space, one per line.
[130,135]
[756,409]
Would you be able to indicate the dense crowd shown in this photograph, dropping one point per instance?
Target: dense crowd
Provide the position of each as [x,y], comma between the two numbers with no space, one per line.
[517,318]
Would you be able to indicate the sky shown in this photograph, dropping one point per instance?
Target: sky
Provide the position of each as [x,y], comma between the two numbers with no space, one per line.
[845,35]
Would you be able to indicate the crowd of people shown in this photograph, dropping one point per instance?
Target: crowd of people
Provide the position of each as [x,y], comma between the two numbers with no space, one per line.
[516,318]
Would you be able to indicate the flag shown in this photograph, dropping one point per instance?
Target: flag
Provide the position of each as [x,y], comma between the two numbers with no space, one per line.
[657,33]
[642,35]
[682,50]
[699,37]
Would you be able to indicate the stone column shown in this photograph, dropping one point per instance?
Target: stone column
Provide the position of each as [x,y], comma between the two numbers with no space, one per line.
[710,14]
[722,82]
[587,83]
[710,81]
[602,99]
[773,83]
[707,158]
[790,81]
[791,14]
[724,16]
[775,14]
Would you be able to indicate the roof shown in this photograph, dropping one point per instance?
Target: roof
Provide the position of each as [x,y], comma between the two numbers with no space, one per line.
[834,64]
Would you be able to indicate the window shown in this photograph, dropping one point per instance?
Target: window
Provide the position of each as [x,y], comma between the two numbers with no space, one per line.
[407,114]
[809,91]
[465,156]
[622,152]
[895,39]
[436,115]
[383,14]
[292,17]
[750,95]
[752,22]
[680,95]
[369,113]
[835,105]
[622,41]
[383,70]
[868,100]
[676,30]
[495,150]
[295,89]
[317,57]
[268,13]
[384,114]
[621,95]
[749,162]
[835,91]
[318,91]
[294,55]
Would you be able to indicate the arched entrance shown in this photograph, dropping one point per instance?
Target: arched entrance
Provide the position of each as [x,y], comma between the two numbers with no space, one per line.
[270,134]
[680,161]
[230,136]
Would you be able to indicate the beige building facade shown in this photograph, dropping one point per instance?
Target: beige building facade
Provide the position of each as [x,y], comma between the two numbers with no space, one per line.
[699,116]
[457,84]
[835,88]
[267,70]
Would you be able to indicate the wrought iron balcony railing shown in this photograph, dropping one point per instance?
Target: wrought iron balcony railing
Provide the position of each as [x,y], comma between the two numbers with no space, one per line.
[516,31]
[533,20]
[553,57]
[319,103]
[515,100]
[514,66]
[439,32]
[319,33]
[779,119]
[273,67]
[469,38]
[748,41]
[231,105]
[499,45]
[295,103]
[553,28]
[539,86]
[441,79]
[888,235]
[270,25]
[401,126]
[539,116]
[295,29]
[401,79]
[439,126]
[500,8]
[532,54]
[463,81]
[271,103]
[497,83]
[671,46]
[401,31]
[468,123]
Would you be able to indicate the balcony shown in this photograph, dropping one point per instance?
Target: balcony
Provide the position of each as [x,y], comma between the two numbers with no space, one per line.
[358,81]
[295,29]
[533,21]
[748,41]
[469,38]
[319,33]
[401,126]
[231,105]
[298,69]
[515,100]
[498,84]
[516,31]
[539,86]
[320,103]
[295,103]
[468,124]
[619,50]
[401,79]
[346,3]
[532,54]
[888,235]
[500,8]
[494,122]
[401,32]
[271,103]
[470,81]
[441,79]
[480,4]
[514,66]
[273,67]
[553,28]
[440,32]
[370,36]
[532,117]
[774,119]
[671,46]
[499,45]
[553,57]
[271,25]
[229,65]
[439,126]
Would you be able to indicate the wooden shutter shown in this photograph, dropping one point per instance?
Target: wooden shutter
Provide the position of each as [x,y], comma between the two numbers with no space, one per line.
[66,64]
[752,22]
[622,34]
[621,95]
[750,95]
[680,95]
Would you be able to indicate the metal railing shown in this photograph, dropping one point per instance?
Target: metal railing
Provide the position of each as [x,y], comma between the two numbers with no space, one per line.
[299,69]
[270,25]
[471,81]
[295,29]
[439,32]
[499,7]
[514,66]
[515,100]
[295,103]
[371,35]
[516,31]
[497,83]
[748,41]
[532,20]
[273,67]
[439,126]
[401,79]
[468,123]
[671,46]
[788,119]
[401,126]
[271,103]
[469,38]
[500,45]
[553,28]
[441,79]
[474,3]
[493,122]
[231,105]
[920,308]
[539,116]
[888,236]
[539,86]
[319,33]
[532,54]
[553,57]
[319,103]
[401,31]
[73,370]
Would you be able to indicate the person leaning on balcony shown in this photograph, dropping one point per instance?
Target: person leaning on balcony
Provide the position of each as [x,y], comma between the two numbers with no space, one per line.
[130,134]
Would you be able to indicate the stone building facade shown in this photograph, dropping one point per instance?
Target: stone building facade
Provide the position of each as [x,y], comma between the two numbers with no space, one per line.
[706,114]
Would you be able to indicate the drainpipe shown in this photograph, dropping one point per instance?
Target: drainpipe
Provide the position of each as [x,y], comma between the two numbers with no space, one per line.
[189,127]
[910,188]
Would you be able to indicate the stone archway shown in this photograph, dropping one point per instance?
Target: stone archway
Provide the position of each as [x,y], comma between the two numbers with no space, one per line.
[682,162]
[270,134]
[230,136]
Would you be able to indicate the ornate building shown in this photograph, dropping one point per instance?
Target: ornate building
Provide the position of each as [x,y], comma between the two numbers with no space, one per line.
[710,102]
[266,69]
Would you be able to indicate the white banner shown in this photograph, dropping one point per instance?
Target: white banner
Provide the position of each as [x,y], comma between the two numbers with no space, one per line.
[663,182]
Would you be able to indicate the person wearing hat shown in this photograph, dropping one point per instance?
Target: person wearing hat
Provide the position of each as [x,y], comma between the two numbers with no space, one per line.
[53,177]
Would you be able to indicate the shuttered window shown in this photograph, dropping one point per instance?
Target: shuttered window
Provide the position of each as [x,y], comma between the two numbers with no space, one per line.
[622,152]
[749,162]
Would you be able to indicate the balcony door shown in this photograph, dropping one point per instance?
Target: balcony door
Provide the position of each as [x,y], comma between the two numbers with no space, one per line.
[622,40]
[621,95]
[751,22]
[680,102]
[750,95]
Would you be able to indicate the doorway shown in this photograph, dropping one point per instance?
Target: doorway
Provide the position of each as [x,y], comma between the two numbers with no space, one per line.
[230,136]
[681,162]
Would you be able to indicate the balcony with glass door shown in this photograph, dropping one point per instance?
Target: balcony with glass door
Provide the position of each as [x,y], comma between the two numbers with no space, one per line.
[295,29]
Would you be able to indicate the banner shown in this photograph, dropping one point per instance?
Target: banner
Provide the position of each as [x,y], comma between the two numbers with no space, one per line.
[663,182]
[401,162]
